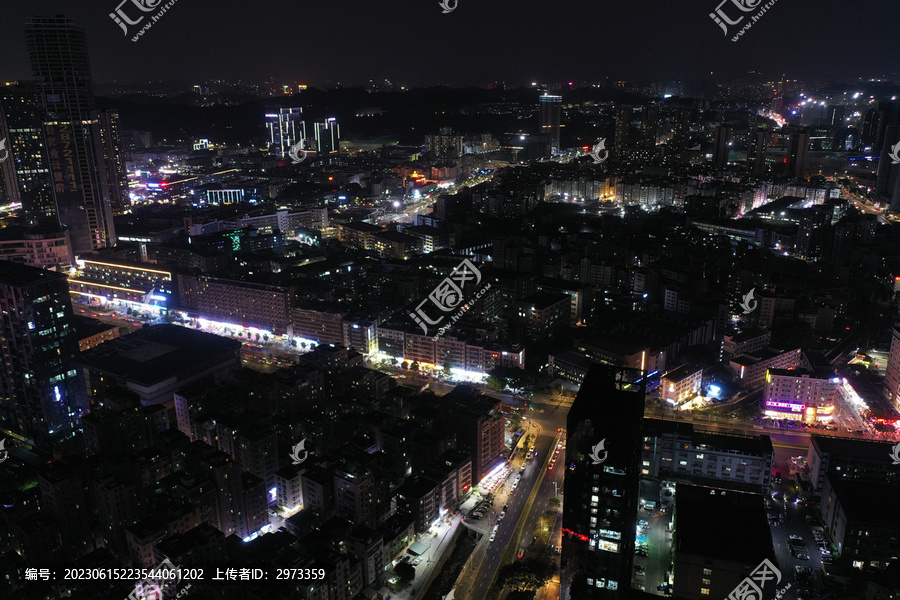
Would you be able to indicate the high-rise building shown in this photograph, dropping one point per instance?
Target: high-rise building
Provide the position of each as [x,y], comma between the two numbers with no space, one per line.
[42,388]
[82,144]
[328,137]
[798,147]
[25,177]
[551,119]
[892,374]
[286,128]
[887,186]
[722,145]
[602,481]
[757,144]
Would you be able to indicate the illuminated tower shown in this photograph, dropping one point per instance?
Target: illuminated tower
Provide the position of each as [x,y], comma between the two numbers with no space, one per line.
[286,127]
[551,119]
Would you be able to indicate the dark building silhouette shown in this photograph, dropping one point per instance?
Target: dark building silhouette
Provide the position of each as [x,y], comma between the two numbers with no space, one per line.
[798,147]
[887,186]
[82,144]
[600,511]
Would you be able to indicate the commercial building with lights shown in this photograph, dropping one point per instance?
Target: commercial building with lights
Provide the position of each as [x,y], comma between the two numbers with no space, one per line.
[42,387]
[681,384]
[799,395]
[113,280]
[601,507]
[244,303]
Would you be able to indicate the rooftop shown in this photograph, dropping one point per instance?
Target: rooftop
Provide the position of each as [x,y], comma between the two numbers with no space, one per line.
[157,353]
[709,520]
[17,274]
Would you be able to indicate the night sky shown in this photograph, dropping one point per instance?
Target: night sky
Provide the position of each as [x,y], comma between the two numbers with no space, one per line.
[412,42]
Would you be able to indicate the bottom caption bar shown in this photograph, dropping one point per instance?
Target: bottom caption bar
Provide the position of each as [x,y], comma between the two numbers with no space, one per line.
[166,576]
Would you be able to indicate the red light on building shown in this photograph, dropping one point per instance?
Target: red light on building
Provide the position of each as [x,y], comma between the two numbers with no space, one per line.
[581,537]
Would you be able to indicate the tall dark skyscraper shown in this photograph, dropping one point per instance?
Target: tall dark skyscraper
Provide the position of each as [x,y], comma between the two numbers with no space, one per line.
[42,388]
[798,148]
[551,119]
[887,186]
[601,498]
[757,144]
[721,149]
[25,177]
[79,139]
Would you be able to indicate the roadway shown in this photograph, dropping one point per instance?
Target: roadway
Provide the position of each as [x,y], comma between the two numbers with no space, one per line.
[525,505]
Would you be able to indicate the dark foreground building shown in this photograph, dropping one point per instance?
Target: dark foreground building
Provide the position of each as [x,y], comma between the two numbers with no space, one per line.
[42,388]
[602,480]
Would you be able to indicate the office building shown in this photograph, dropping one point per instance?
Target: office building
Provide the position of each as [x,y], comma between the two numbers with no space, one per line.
[42,388]
[864,535]
[887,185]
[551,119]
[850,460]
[798,148]
[722,145]
[328,137]
[600,511]
[286,128]
[25,177]
[80,141]
[677,452]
